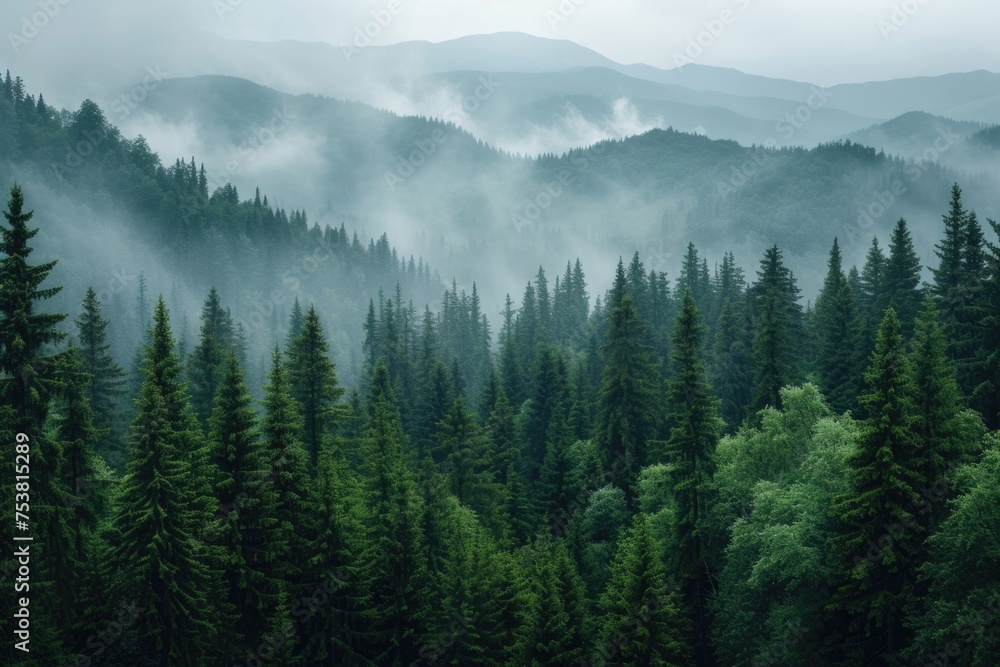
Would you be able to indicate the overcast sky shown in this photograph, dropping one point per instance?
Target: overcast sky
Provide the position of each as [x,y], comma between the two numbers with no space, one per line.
[822,41]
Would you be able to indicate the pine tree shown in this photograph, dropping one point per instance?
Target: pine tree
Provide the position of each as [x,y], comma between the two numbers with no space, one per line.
[295,322]
[732,369]
[631,391]
[881,536]
[949,276]
[207,363]
[392,552]
[642,620]
[870,301]
[246,515]
[434,400]
[838,332]
[901,290]
[335,631]
[694,433]
[107,379]
[778,325]
[157,560]
[313,381]
[559,630]
[510,369]
[549,391]
[288,477]
[29,380]
[985,373]
[948,435]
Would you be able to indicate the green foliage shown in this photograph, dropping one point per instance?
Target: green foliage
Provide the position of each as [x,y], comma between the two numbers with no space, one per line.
[642,618]
[313,383]
[880,535]
[776,484]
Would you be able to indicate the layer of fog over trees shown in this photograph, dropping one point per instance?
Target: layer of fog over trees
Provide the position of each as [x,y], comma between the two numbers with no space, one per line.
[532,341]
[524,152]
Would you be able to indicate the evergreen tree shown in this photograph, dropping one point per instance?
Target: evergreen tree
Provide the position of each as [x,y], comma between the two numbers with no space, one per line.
[901,290]
[288,478]
[871,300]
[29,379]
[631,391]
[559,630]
[207,363]
[694,434]
[313,382]
[950,275]
[336,631]
[107,379]
[731,366]
[394,568]
[947,433]
[642,618]
[838,333]
[778,325]
[549,393]
[158,562]
[247,513]
[985,373]
[881,538]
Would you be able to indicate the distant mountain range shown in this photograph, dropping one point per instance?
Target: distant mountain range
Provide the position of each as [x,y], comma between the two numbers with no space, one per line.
[553,87]
[445,193]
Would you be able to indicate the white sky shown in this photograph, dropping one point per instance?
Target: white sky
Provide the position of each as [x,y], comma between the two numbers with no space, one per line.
[823,41]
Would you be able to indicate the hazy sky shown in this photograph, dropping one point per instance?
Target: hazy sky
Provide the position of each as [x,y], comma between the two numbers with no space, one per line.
[825,41]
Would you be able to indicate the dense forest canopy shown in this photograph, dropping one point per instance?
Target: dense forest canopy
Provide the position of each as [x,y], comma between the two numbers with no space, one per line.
[700,469]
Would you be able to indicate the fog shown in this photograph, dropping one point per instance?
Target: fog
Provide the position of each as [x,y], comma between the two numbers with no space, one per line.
[490,156]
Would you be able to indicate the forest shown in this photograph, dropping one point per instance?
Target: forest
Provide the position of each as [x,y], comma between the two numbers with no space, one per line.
[691,471]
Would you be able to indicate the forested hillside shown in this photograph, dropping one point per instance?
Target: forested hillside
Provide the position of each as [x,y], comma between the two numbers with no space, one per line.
[132,226]
[462,203]
[665,472]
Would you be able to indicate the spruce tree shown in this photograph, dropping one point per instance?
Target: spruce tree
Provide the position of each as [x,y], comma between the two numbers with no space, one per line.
[838,334]
[630,397]
[949,276]
[107,379]
[901,290]
[948,434]
[694,433]
[158,561]
[985,373]
[207,362]
[559,632]
[777,322]
[246,515]
[391,556]
[313,382]
[871,300]
[881,536]
[643,624]
[288,477]
[29,380]
[731,366]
